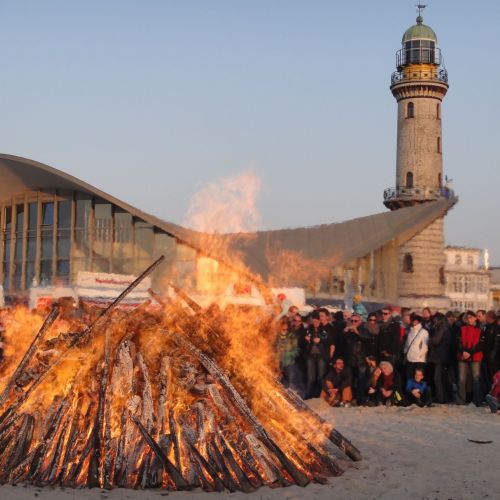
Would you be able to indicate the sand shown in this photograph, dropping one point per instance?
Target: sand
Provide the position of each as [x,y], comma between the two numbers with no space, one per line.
[408,453]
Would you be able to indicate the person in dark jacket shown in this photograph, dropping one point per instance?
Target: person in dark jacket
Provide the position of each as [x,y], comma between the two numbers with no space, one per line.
[427,318]
[336,389]
[372,331]
[441,350]
[470,354]
[317,354]
[356,349]
[492,339]
[389,340]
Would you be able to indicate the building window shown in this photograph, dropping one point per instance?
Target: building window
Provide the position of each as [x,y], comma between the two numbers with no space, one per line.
[409,179]
[442,278]
[439,145]
[408,263]
[47,231]
[410,110]
[458,259]
[470,260]
[438,111]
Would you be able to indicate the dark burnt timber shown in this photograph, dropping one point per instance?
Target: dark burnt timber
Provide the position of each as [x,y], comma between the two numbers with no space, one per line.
[171,470]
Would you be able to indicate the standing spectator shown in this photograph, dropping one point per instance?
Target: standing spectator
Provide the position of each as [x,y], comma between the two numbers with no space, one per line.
[337,385]
[441,348]
[417,390]
[490,366]
[493,398]
[386,385]
[426,318]
[481,318]
[372,330]
[405,322]
[317,354]
[292,311]
[329,330]
[339,324]
[300,333]
[287,348]
[356,343]
[470,354]
[416,346]
[389,343]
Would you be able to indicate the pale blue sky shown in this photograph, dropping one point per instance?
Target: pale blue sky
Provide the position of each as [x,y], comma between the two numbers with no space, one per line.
[151,99]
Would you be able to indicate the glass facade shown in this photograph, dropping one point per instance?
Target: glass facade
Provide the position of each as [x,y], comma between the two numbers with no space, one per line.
[47,238]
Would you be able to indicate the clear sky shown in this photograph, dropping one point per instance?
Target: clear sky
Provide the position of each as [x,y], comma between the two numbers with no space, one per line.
[149,100]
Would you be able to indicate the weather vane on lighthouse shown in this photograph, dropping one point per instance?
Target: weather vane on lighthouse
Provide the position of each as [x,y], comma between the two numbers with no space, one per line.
[420,8]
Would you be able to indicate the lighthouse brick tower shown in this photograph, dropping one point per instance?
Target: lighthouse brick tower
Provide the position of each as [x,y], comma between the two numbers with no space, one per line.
[419,86]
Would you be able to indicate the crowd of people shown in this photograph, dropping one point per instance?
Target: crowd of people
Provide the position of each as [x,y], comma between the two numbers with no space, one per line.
[389,358]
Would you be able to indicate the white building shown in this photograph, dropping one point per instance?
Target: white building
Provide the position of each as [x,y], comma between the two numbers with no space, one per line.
[467,278]
[495,287]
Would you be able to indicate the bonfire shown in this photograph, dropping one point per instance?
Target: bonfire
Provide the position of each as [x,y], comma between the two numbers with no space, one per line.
[165,398]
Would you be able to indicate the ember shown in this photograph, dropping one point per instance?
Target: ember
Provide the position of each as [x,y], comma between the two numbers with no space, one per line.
[160,399]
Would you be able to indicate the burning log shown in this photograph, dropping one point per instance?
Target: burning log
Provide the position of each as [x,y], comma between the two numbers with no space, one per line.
[24,437]
[171,470]
[216,457]
[38,459]
[175,439]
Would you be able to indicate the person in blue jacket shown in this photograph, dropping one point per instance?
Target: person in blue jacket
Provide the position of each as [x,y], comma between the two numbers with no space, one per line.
[418,391]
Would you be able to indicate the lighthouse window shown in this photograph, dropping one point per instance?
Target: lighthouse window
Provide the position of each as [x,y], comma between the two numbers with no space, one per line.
[438,111]
[410,110]
[439,144]
[408,263]
[409,180]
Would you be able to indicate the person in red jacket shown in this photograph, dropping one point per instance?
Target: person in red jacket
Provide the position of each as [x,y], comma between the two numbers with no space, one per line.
[470,354]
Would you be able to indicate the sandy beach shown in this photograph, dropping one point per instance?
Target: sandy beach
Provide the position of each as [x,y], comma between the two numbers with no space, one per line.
[408,453]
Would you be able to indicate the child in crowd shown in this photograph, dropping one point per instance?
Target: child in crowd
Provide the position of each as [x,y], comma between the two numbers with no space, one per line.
[417,390]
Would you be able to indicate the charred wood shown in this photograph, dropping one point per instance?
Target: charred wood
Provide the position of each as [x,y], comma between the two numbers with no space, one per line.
[171,470]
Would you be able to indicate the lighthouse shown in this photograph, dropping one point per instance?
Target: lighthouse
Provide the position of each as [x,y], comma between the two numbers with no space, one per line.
[419,86]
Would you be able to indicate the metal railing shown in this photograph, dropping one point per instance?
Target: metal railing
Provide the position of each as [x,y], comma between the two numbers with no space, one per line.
[439,74]
[418,55]
[417,193]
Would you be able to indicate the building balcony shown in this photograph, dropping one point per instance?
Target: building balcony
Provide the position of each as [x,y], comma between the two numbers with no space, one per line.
[401,196]
[434,73]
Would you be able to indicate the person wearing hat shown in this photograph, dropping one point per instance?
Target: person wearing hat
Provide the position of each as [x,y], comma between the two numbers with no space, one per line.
[416,346]
[358,307]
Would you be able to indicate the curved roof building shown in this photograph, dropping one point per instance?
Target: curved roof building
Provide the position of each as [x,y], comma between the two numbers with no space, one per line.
[53,226]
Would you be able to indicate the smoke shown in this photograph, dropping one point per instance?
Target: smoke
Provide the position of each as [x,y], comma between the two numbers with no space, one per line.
[228,205]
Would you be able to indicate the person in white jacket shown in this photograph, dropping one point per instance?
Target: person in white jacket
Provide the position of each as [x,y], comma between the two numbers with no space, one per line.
[416,346]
